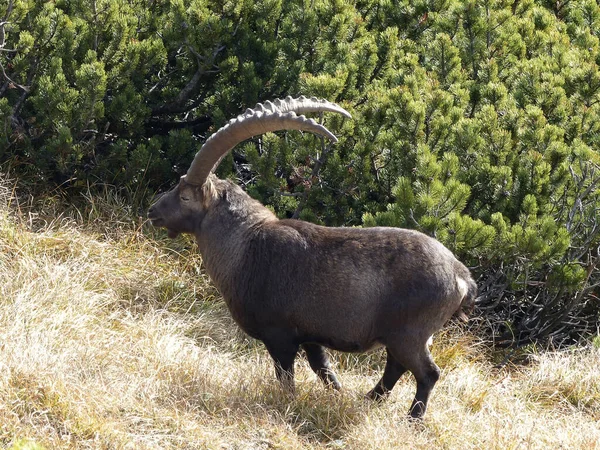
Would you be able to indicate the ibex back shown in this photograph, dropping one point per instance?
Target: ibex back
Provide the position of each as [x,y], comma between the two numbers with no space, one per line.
[294,284]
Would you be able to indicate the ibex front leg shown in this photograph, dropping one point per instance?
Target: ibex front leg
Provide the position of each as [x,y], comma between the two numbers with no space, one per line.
[319,363]
[283,351]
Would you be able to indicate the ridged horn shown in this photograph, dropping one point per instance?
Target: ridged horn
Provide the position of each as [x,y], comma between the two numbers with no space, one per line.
[302,105]
[263,118]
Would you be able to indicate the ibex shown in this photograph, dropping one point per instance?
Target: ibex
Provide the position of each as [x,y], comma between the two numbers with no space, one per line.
[294,284]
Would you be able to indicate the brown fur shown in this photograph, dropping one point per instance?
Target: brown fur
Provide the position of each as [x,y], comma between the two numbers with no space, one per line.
[291,283]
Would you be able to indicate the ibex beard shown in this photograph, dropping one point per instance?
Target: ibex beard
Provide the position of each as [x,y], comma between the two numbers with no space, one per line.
[294,284]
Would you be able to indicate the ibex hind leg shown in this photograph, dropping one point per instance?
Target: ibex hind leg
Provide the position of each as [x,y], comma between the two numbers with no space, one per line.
[392,372]
[319,363]
[426,375]
[283,351]
[420,363]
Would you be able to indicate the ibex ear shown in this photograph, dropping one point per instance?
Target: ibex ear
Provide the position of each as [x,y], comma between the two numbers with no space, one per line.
[209,192]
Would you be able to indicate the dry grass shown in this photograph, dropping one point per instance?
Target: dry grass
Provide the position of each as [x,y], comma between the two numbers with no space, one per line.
[110,339]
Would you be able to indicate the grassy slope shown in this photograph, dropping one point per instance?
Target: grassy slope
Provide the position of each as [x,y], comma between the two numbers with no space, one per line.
[109,339]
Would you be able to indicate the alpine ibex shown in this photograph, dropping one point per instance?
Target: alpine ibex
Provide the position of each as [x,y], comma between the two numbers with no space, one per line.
[294,284]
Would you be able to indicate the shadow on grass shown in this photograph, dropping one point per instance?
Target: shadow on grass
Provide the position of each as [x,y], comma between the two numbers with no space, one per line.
[241,389]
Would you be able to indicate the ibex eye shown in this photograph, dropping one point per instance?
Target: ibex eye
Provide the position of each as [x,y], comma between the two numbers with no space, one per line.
[184,199]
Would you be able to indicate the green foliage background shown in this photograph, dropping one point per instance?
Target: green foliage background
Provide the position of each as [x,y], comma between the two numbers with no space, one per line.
[477,122]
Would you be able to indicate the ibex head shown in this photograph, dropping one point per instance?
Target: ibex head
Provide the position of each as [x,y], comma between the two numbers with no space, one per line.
[182,209]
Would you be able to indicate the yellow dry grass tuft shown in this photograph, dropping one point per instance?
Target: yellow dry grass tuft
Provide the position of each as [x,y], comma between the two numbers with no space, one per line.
[112,340]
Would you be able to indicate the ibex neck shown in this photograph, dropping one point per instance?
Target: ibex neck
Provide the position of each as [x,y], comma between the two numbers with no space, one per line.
[225,234]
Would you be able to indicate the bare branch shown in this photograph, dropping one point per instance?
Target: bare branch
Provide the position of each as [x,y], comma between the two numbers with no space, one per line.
[25,88]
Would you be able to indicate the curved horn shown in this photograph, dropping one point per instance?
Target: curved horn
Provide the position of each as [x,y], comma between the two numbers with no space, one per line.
[302,105]
[278,115]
